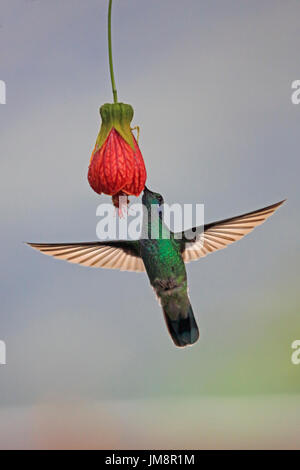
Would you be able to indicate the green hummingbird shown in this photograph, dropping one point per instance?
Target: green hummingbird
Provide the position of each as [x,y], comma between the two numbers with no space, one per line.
[163,257]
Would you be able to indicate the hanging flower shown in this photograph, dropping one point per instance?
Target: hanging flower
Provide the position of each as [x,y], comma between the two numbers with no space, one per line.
[117,167]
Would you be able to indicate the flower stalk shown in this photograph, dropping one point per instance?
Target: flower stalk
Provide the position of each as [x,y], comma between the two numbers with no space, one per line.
[111,66]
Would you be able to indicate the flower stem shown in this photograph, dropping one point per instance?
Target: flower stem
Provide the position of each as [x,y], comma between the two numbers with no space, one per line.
[111,67]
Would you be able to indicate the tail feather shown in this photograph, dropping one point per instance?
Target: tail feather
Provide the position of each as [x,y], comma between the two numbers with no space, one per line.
[182,326]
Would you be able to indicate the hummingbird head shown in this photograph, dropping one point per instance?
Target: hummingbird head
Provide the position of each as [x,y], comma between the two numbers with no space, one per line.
[149,198]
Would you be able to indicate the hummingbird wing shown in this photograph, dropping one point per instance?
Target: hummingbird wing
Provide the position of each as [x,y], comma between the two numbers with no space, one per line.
[123,254]
[220,234]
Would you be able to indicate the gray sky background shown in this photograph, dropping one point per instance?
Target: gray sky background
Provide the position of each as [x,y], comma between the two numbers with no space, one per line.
[210,82]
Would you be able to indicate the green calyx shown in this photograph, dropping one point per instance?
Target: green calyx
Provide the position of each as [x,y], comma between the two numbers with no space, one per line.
[119,116]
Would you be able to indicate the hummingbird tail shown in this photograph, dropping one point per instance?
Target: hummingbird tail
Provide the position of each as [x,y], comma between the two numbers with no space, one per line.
[181,324]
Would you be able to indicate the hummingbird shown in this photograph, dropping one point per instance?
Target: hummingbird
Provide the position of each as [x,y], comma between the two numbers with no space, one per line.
[163,257]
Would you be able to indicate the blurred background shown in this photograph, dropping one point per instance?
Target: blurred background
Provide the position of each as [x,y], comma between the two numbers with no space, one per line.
[89,361]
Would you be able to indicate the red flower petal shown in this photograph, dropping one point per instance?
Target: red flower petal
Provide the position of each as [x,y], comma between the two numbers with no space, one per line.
[137,183]
[112,166]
